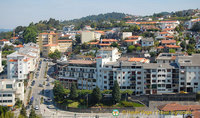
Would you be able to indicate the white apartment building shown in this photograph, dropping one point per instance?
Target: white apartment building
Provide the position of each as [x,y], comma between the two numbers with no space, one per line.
[126,34]
[10,89]
[87,36]
[168,24]
[189,70]
[22,62]
[172,74]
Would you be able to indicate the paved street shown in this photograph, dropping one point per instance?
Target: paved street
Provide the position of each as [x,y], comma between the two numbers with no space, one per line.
[53,112]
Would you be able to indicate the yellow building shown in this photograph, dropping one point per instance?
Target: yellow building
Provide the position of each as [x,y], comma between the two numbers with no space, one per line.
[65,45]
[49,48]
[47,38]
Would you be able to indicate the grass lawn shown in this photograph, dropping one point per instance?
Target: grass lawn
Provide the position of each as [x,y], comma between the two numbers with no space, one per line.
[73,104]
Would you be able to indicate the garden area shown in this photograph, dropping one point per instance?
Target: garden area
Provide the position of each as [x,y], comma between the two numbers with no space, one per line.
[95,98]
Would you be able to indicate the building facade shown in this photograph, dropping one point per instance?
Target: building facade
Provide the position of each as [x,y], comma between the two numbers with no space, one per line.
[174,74]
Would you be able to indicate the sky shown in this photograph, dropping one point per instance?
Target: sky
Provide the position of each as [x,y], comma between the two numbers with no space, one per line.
[15,13]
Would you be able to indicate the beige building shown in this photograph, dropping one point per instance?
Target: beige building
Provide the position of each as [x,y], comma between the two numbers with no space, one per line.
[47,38]
[49,48]
[65,46]
[87,36]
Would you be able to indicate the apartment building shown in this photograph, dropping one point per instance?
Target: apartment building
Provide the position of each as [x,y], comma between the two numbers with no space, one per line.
[82,72]
[20,63]
[168,57]
[65,45]
[10,90]
[189,70]
[87,36]
[47,38]
[172,73]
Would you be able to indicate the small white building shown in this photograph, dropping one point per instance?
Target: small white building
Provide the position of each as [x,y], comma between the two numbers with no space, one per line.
[10,90]
[145,42]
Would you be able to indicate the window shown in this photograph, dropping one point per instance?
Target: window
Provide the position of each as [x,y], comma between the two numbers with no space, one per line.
[153,75]
[182,83]
[188,83]
[8,85]
[195,83]
[9,100]
[9,95]
[168,70]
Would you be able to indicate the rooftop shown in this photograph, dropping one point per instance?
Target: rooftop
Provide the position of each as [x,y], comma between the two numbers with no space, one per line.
[168,41]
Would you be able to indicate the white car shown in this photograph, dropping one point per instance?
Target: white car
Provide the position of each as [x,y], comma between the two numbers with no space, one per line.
[36,107]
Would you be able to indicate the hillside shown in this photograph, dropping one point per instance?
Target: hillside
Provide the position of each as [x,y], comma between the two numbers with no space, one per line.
[97,18]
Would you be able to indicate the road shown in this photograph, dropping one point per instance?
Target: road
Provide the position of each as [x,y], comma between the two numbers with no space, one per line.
[54,112]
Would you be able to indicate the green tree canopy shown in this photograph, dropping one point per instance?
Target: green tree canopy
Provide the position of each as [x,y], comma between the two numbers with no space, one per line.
[55,55]
[172,51]
[32,113]
[131,48]
[196,27]
[23,111]
[183,45]
[96,95]
[73,92]
[30,34]
[116,96]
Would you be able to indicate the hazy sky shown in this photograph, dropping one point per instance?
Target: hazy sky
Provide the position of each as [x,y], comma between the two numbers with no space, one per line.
[21,12]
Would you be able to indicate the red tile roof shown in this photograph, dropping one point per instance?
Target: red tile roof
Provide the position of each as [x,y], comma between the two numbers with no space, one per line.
[93,43]
[172,46]
[168,41]
[109,40]
[81,62]
[19,46]
[4,40]
[160,47]
[164,33]
[12,60]
[133,40]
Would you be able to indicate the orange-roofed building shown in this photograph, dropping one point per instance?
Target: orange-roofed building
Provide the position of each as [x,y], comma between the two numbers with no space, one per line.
[142,60]
[47,38]
[185,111]
[4,42]
[168,24]
[65,46]
[106,42]
[168,42]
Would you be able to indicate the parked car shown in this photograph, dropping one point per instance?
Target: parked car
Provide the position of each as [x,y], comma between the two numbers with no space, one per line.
[33,83]
[48,84]
[40,85]
[36,107]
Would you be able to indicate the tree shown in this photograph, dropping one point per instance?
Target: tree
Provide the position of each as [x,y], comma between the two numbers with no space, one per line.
[196,27]
[114,44]
[183,45]
[131,48]
[23,111]
[59,92]
[172,51]
[78,39]
[32,113]
[138,48]
[116,96]
[8,47]
[96,95]
[73,92]
[55,55]
[30,34]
